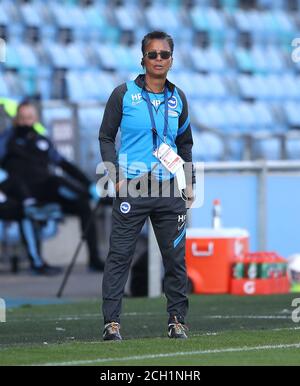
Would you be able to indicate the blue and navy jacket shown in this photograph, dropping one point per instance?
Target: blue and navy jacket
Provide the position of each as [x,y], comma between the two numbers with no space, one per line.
[127,109]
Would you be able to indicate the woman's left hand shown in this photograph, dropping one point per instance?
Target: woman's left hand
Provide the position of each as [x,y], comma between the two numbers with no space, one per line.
[190,196]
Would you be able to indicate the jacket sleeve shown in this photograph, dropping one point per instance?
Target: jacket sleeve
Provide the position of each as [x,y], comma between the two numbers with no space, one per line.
[109,128]
[14,186]
[68,167]
[184,141]
[4,181]
[74,172]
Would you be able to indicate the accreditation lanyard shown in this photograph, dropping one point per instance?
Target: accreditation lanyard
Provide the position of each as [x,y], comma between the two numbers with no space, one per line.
[150,108]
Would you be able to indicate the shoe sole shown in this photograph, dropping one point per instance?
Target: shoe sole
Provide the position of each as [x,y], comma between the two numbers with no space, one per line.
[178,337]
[112,339]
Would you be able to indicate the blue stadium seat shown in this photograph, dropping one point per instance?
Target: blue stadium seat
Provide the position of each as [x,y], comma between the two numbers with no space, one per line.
[10,8]
[267,148]
[179,59]
[14,85]
[4,18]
[210,59]
[117,57]
[291,110]
[76,91]
[27,56]
[95,16]
[127,17]
[208,19]
[51,113]
[244,20]
[30,14]
[48,34]
[275,87]
[61,14]
[44,83]
[76,55]
[90,81]
[235,146]
[106,56]
[89,119]
[108,82]
[126,59]
[78,17]
[186,81]
[158,15]
[201,86]
[216,86]
[4,91]
[247,87]
[290,85]
[269,30]
[11,237]
[13,59]
[270,4]
[293,145]
[264,117]
[268,87]
[229,4]
[243,117]
[207,146]
[285,26]
[58,55]
[12,21]
[198,112]
[275,59]
[217,26]
[216,117]
[248,120]
[244,60]
[85,85]
[260,59]
[49,230]
[9,232]
[233,118]
[89,154]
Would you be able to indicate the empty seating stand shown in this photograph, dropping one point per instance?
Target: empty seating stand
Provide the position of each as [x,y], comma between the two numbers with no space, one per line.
[233,63]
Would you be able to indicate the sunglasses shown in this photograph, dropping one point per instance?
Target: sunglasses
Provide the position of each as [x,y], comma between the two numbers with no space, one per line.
[154,54]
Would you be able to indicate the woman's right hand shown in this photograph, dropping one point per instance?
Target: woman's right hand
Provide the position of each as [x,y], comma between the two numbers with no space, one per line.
[119,185]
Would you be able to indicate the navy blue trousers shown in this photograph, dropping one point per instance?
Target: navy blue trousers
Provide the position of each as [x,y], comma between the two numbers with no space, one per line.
[168,217]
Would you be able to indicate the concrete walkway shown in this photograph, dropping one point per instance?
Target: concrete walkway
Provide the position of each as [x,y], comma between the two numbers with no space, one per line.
[81,284]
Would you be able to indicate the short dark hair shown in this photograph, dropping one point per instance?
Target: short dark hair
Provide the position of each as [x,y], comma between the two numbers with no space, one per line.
[157,35]
[26,103]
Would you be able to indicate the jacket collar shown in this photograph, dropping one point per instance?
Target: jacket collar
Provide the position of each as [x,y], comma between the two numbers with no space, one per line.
[140,82]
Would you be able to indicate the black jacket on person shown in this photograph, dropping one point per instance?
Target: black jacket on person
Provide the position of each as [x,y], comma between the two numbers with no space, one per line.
[32,158]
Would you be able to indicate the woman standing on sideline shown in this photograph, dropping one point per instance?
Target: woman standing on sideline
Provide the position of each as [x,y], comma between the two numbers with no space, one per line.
[150,112]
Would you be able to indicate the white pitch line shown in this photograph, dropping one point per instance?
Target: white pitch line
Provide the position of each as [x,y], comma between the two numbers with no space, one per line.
[248,317]
[175,354]
[69,318]
[285,329]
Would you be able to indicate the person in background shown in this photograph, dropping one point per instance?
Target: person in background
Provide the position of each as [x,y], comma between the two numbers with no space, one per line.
[32,159]
[150,111]
[16,205]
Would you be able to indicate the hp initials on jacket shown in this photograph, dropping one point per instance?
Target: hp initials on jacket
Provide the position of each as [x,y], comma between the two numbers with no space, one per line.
[137,98]
[181,217]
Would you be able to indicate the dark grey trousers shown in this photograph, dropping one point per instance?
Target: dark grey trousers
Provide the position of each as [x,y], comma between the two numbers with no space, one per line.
[168,216]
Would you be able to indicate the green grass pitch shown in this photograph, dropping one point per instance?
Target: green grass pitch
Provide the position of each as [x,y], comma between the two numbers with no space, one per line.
[223,330]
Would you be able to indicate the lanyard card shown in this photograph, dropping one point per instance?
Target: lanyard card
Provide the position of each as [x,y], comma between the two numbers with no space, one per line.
[169,158]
